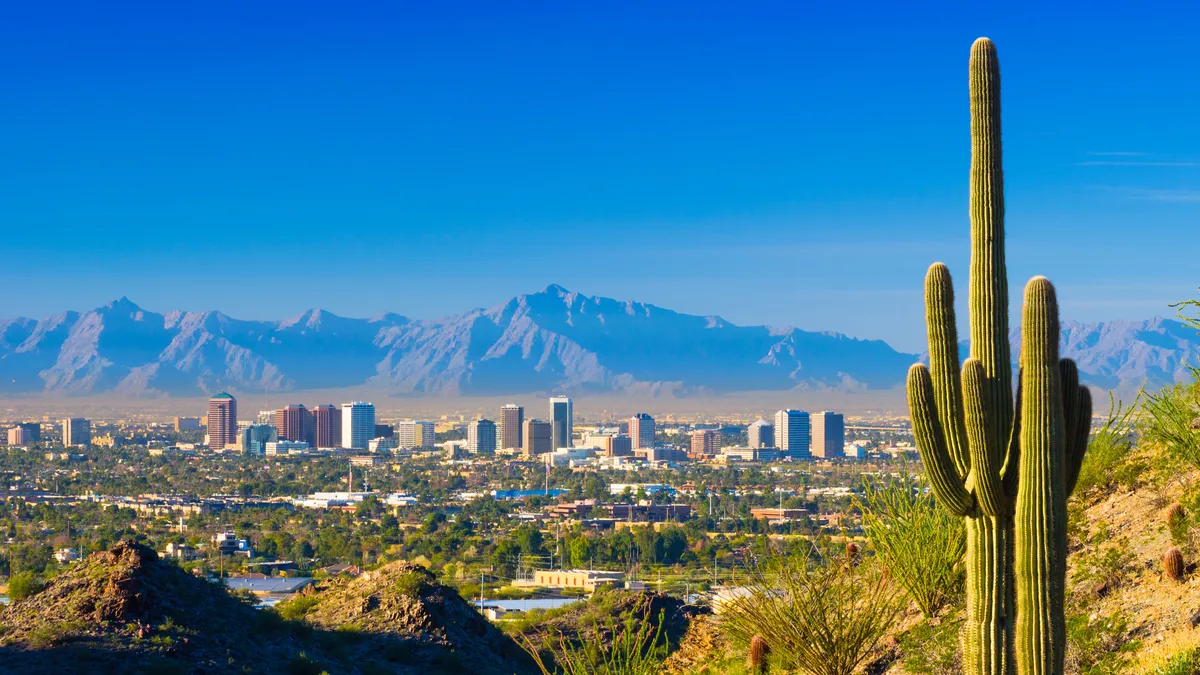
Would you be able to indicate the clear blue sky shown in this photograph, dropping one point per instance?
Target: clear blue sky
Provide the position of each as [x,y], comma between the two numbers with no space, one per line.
[773,162]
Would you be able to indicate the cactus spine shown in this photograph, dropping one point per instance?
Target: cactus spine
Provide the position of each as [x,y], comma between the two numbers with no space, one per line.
[971,439]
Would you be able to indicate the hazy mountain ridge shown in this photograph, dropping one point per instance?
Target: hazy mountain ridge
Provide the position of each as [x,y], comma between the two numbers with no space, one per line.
[553,340]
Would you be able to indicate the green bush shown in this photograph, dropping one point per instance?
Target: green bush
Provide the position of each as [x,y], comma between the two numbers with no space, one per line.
[1107,462]
[23,585]
[296,608]
[1170,419]
[638,647]
[822,619]
[413,584]
[1186,662]
[922,546]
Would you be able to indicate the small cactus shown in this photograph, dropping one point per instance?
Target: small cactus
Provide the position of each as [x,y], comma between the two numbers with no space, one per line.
[1173,564]
[756,663]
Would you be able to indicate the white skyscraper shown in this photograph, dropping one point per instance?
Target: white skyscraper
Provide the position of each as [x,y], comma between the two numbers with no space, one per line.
[481,437]
[410,434]
[562,420]
[358,425]
[793,434]
[828,434]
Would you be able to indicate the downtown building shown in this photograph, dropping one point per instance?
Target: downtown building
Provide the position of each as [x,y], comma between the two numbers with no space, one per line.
[562,420]
[705,444]
[481,437]
[641,431]
[327,427]
[512,417]
[760,434]
[538,438]
[793,434]
[828,435]
[222,421]
[296,423]
[358,425]
[413,434]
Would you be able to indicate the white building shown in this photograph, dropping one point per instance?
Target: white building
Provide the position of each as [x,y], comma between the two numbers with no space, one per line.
[566,456]
[562,422]
[793,434]
[358,425]
[481,437]
[276,448]
[381,444]
[411,434]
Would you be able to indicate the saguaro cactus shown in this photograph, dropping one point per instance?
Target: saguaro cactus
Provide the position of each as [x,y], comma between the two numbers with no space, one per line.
[971,436]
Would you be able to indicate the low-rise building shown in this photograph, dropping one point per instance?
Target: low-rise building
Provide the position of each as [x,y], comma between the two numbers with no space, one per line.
[588,580]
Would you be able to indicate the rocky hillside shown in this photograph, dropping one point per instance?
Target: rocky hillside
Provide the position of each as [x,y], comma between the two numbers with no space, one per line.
[125,611]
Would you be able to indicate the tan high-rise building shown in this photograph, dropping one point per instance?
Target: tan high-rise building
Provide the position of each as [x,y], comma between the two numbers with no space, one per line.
[538,437]
[222,421]
[641,431]
[828,434]
[760,434]
[512,417]
[293,423]
[704,444]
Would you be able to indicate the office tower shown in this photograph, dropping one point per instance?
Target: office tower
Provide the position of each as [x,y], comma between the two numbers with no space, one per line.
[77,432]
[792,434]
[641,431]
[187,424]
[254,438]
[19,435]
[293,423]
[828,434]
[327,426]
[704,444]
[410,434]
[620,445]
[222,421]
[511,418]
[34,429]
[562,421]
[538,437]
[481,437]
[358,425]
[760,434]
[265,417]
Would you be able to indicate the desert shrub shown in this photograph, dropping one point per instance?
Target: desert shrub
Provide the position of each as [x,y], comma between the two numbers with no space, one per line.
[302,665]
[296,608]
[414,584]
[23,585]
[1107,462]
[1098,645]
[1178,524]
[1186,662]
[931,647]
[921,545]
[1171,417]
[823,619]
[1106,561]
[638,647]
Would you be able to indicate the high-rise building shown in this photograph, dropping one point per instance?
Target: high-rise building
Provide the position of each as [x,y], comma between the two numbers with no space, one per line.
[760,434]
[538,437]
[187,424]
[254,438]
[411,434]
[19,435]
[293,423]
[222,421]
[793,434]
[641,431]
[612,445]
[512,416]
[358,425]
[481,437]
[327,427]
[704,443]
[77,432]
[562,420]
[34,429]
[828,434]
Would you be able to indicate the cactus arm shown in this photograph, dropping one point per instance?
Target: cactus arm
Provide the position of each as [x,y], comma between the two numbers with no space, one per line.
[989,277]
[931,443]
[1077,444]
[986,468]
[1041,499]
[943,364]
[1012,462]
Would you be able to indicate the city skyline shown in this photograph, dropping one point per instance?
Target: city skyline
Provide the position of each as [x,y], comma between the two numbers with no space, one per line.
[713,145]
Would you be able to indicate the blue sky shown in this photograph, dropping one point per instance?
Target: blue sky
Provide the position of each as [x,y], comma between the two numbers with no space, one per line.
[772,162]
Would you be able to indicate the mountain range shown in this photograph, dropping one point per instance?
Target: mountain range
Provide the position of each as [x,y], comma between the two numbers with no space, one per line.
[554,340]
